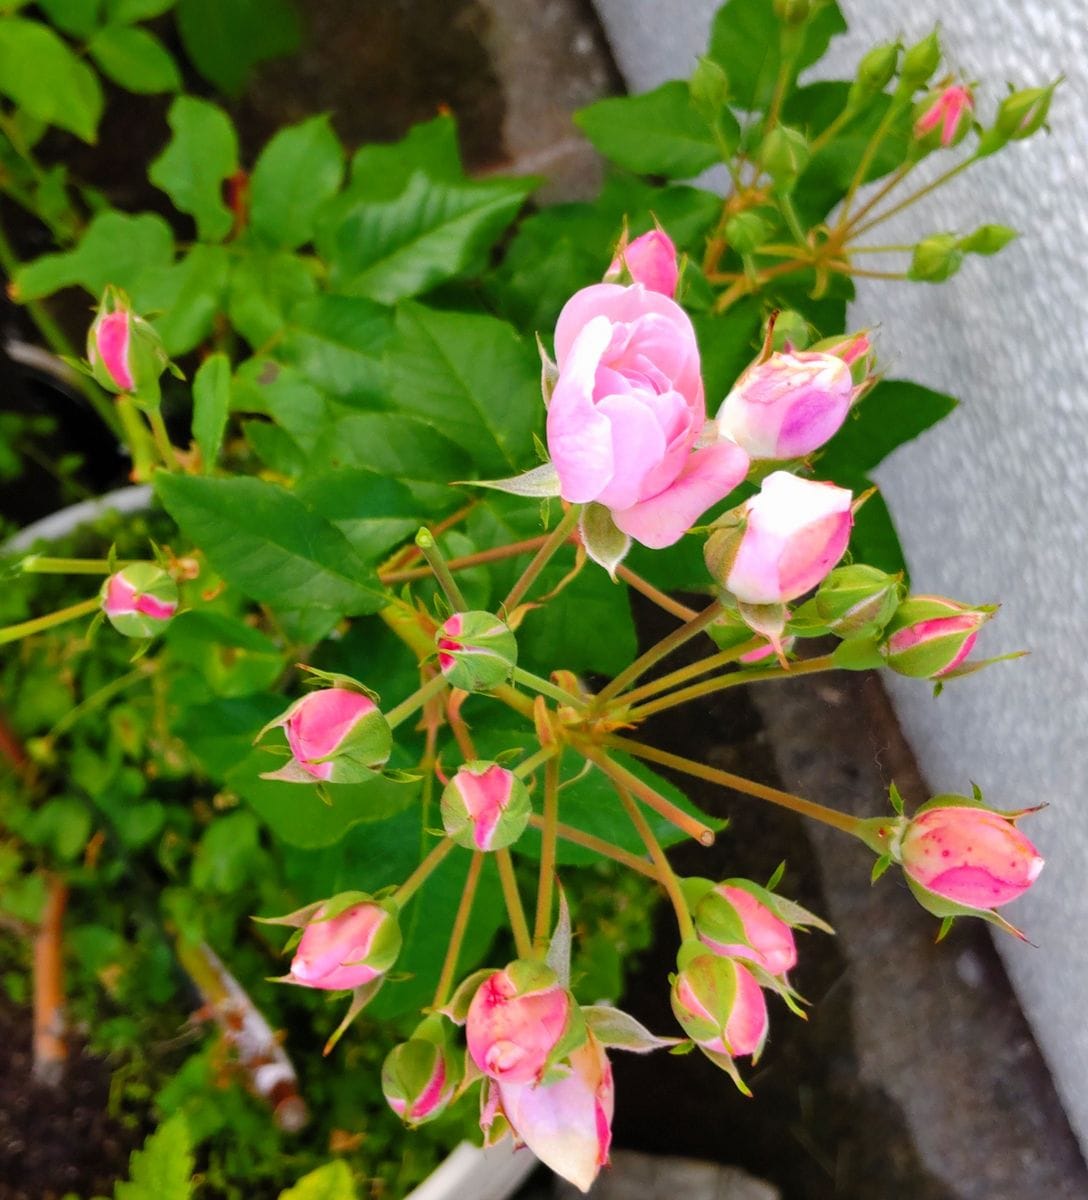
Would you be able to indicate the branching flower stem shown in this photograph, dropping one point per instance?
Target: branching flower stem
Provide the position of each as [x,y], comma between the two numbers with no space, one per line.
[12,633]
[423,872]
[514,909]
[555,540]
[401,712]
[578,837]
[703,667]
[457,934]
[665,874]
[548,836]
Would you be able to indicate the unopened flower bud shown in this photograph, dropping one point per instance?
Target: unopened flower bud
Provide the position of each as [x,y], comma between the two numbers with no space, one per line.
[485,806]
[788,405]
[783,541]
[125,352]
[521,1021]
[476,651]
[936,258]
[930,636]
[420,1077]
[784,154]
[920,61]
[720,1006]
[734,922]
[139,599]
[336,735]
[957,850]
[858,601]
[747,231]
[943,118]
[874,72]
[649,260]
[349,941]
[988,239]
[791,331]
[709,87]
[1024,112]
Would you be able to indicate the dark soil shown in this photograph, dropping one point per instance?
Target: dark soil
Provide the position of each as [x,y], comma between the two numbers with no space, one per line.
[56,1140]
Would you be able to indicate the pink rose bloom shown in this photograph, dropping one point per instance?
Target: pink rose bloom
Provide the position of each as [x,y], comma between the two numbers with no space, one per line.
[347,950]
[971,856]
[566,1123]
[650,260]
[627,410]
[796,531]
[770,940]
[789,405]
[951,110]
[512,1029]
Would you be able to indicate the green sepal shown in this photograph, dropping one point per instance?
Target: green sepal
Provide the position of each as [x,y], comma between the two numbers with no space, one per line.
[456,1007]
[360,998]
[879,867]
[858,654]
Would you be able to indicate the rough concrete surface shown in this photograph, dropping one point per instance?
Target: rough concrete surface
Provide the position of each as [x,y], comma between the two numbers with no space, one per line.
[634,1176]
[991,508]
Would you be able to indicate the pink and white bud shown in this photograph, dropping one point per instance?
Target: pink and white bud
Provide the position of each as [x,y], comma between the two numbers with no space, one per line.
[420,1077]
[520,1021]
[566,1122]
[345,945]
[766,939]
[649,260]
[485,806]
[788,405]
[967,854]
[124,351]
[720,1006]
[139,599]
[335,735]
[476,651]
[929,637]
[783,541]
[948,110]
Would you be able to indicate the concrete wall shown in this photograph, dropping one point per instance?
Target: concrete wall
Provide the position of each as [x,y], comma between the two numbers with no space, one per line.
[994,506]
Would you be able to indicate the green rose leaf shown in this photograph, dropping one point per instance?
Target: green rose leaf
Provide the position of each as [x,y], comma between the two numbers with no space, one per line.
[299,169]
[44,77]
[202,152]
[135,59]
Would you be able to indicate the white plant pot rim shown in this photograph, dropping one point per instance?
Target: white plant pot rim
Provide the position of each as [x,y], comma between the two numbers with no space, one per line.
[468,1172]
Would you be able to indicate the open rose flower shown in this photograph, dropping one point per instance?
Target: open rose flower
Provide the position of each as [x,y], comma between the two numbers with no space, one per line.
[627,410]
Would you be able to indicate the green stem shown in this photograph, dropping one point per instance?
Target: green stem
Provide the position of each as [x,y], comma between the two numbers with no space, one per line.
[546,688]
[556,539]
[889,185]
[703,667]
[415,701]
[869,153]
[940,181]
[548,835]
[12,633]
[810,666]
[660,598]
[457,934]
[807,808]
[137,439]
[40,564]
[435,560]
[97,699]
[162,440]
[515,910]
[579,837]
[526,768]
[422,873]
[793,221]
[690,825]
[492,554]
[822,139]
[888,249]
[665,874]
[665,647]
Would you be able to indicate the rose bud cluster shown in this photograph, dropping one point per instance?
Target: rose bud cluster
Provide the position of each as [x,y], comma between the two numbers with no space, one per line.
[485,806]
[125,352]
[649,260]
[627,411]
[476,651]
[420,1076]
[929,637]
[335,735]
[783,541]
[139,599]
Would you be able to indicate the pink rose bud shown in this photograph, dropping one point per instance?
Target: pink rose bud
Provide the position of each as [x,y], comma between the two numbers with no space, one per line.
[948,111]
[735,922]
[788,405]
[966,854]
[346,943]
[930,636]
[566,1122]
[627,411]
[485,806]
[649,260]
[720,1007]
[335,735]
[783,541]
[476,651]
[520,1021]
[139,599]
[125,352]
[420,1076]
